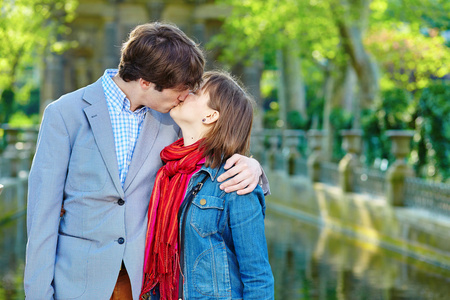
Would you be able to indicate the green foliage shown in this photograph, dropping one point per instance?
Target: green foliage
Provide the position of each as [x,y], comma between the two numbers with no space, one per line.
[315,108]
[295,120]
[394,111]
[29,28]
[410,59]
[271,118]
[6,104]
[434,124]
[428,116]
[259,28]
[340,119]
[20,119]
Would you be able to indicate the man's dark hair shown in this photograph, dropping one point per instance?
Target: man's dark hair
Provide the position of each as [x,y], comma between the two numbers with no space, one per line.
[162,54]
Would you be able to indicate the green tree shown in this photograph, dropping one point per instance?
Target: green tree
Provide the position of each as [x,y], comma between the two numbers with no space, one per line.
[343,37]
[28,28]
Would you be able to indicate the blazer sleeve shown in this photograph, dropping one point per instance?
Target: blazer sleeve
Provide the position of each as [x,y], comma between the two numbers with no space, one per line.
[45,196]
[246,219]
[264,183]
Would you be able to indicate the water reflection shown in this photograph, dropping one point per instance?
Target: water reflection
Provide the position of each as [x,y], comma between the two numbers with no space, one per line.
[308,263]
[313,263]
[12,254]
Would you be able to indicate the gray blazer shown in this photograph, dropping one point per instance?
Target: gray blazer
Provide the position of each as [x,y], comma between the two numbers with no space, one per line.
[79,255]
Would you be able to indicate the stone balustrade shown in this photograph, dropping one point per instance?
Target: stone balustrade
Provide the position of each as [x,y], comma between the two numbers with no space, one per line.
[285,154]
[18,152]
[294,152]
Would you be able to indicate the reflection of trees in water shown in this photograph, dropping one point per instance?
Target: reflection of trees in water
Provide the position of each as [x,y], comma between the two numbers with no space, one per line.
[308,262]
[313,263]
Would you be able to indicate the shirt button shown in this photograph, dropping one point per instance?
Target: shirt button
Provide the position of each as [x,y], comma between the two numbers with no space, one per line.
[121,240]
[202,202]
[121,202]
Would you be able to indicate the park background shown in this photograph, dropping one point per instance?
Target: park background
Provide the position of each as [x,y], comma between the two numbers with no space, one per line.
[352,126]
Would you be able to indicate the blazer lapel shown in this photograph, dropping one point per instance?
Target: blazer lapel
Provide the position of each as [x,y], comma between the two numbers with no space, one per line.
[98,116]
[144,145]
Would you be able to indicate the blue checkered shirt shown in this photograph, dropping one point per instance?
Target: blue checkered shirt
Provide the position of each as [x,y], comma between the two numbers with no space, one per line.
[126,124]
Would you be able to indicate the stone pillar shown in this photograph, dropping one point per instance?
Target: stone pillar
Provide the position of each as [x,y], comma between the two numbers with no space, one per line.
[315,138]
[352,145]
[399,170]
[155,9]
[199,32]
[52,79]
[1,188]
[111,58]
[257,147]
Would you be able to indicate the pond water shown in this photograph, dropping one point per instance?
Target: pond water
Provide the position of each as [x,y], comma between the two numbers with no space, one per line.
[308,262]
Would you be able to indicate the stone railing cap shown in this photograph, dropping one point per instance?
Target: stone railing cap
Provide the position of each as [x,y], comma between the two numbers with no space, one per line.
[358,132]
[406,133]
[316,132]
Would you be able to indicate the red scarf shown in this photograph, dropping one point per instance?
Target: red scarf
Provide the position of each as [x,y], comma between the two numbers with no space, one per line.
[161,249]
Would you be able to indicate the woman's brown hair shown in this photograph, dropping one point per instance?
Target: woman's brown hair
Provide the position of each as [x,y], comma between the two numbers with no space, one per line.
[230,134]
[162,54]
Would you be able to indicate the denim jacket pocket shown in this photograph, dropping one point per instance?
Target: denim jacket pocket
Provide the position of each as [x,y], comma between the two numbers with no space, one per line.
[206,213]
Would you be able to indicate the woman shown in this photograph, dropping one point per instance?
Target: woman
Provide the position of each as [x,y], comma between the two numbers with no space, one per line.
[216,239]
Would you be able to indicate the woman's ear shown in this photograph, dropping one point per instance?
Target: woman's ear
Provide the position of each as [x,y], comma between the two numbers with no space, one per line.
[211,118]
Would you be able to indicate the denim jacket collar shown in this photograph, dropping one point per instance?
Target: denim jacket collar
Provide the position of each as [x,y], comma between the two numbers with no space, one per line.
[213,172]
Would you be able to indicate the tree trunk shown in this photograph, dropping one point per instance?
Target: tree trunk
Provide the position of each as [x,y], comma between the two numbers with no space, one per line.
[250,75]
[293,78]
[252,80]
[338,89]
[351,20]
[281,89]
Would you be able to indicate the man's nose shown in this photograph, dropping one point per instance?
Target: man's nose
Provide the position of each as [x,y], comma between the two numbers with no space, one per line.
[183,95]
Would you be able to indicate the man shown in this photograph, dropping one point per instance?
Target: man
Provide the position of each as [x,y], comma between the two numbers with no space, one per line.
[98,154]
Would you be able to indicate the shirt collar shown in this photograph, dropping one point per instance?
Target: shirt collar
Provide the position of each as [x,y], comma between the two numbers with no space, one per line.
[117,98]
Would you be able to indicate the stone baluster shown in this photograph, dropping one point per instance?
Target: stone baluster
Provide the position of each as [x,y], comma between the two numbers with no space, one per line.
[315,139]
[11,155]
[351,143]
[30,136]
[399,170]
[293,155]
[273,141]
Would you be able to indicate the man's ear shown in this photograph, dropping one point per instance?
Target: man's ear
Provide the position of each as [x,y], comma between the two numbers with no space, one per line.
[146,84]
[212,118]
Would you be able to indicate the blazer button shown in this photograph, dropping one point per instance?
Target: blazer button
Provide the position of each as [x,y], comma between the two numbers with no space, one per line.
[121,202]
[121,240]
[202,202]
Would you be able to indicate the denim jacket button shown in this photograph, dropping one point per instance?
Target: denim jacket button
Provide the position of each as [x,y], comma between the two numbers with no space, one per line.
[202,202]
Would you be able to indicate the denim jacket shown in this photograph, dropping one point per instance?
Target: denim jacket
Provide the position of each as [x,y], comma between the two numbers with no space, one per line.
[223,248]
